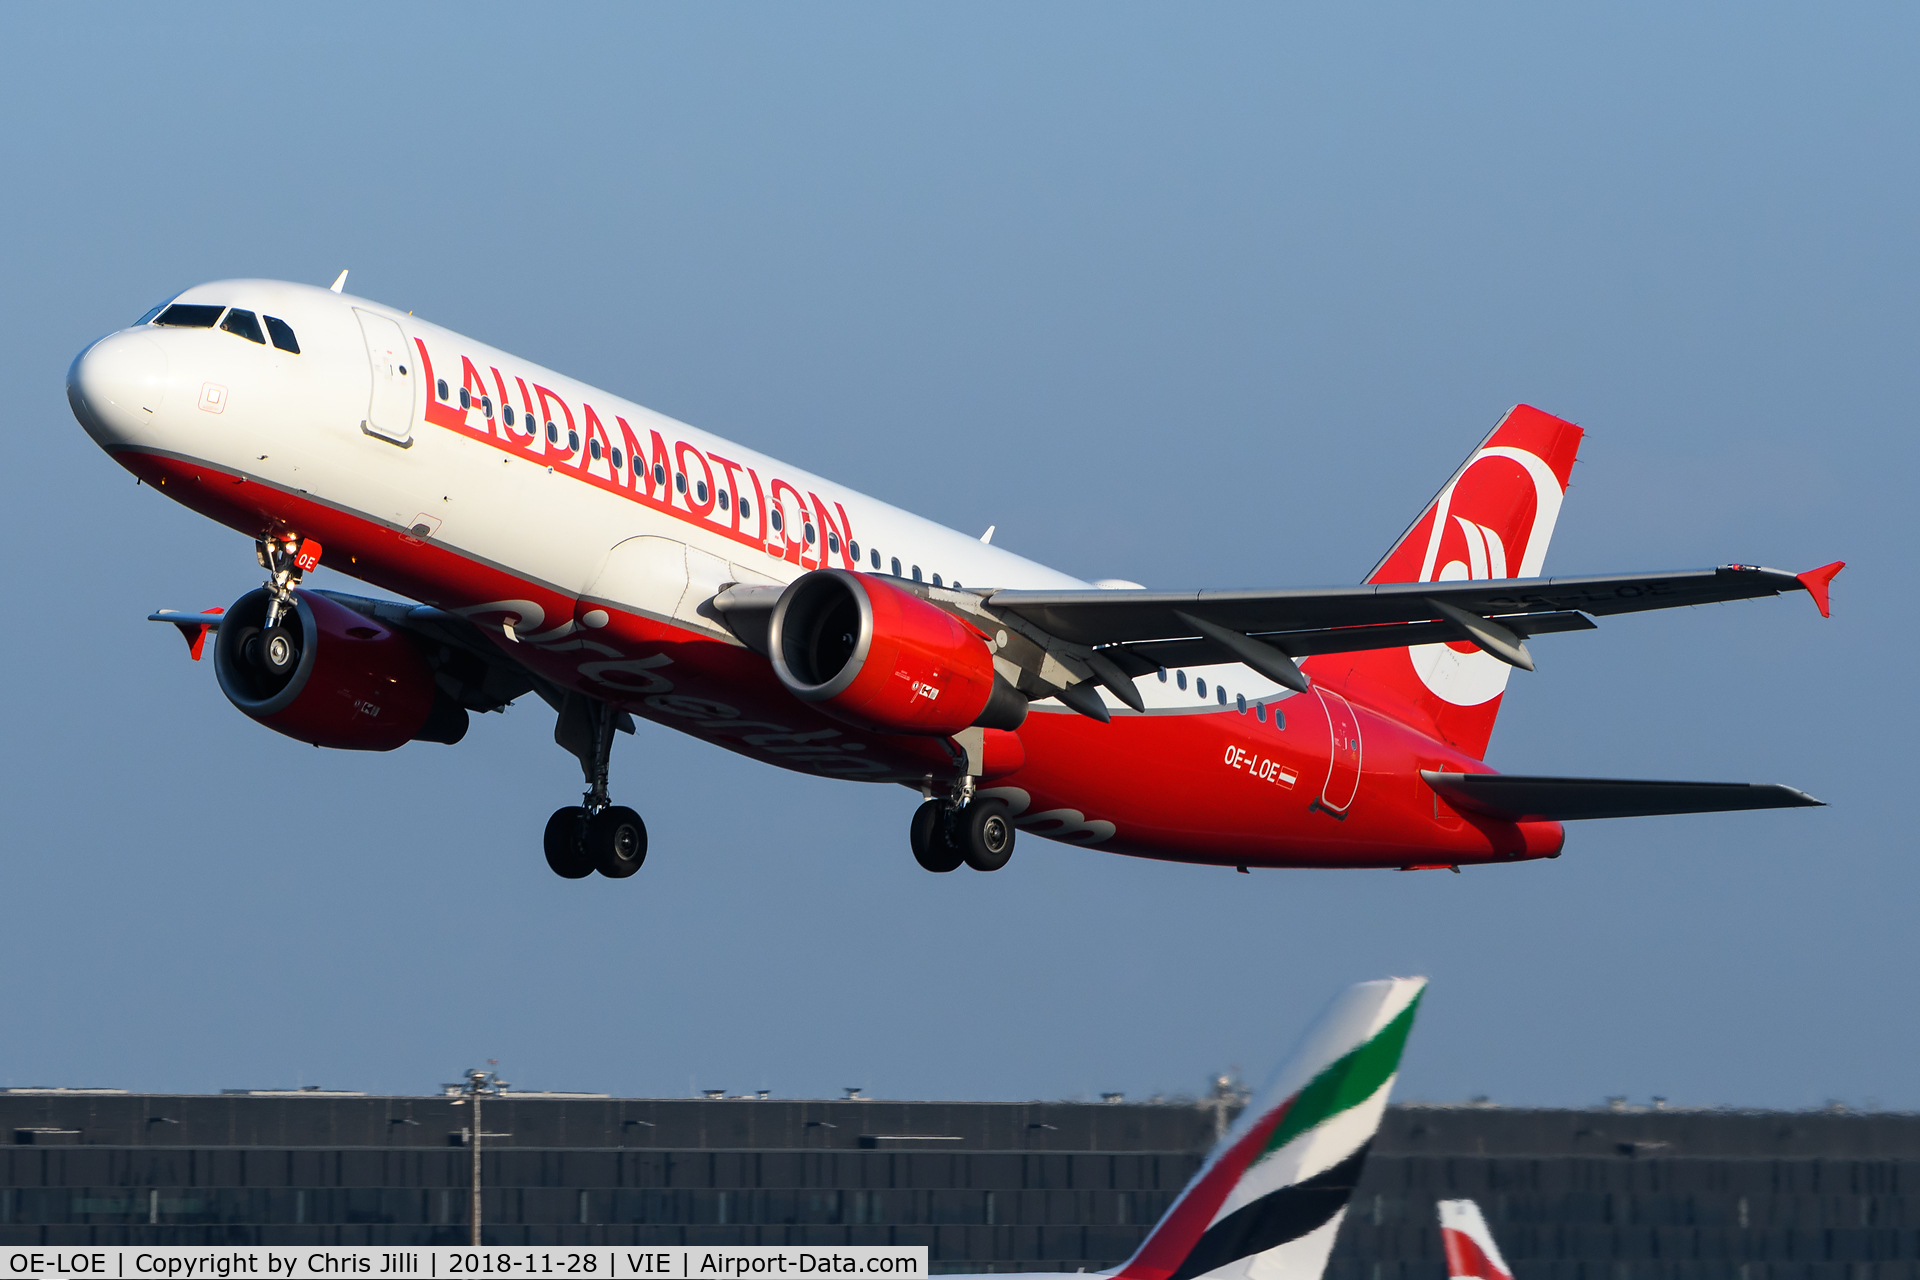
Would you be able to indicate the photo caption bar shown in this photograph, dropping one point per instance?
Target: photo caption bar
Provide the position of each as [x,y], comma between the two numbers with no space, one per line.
[597,1262]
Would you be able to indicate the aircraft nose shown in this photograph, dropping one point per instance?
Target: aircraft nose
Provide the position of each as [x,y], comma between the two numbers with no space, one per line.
[116,385]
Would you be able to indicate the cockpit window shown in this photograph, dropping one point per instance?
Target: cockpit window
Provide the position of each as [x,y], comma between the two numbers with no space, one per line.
[282,335]
[150,315]
[243,324]
[189,315]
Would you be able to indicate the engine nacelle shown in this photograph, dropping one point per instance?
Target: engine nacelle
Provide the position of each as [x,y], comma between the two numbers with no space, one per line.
[330,676]
[872,655]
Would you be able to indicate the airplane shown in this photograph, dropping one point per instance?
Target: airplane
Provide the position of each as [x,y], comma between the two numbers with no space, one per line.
[568,543]
[1272,1194]
[1468,1243]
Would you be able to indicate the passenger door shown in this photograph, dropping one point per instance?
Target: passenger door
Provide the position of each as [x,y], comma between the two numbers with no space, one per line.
[1343,770]
[390,409]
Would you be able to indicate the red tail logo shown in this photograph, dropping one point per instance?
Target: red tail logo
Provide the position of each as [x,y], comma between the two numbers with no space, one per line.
[1493,519]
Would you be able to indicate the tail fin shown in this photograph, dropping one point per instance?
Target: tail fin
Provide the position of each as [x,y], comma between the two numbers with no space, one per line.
[1471,1252]
[1493,519]
[1272,1195]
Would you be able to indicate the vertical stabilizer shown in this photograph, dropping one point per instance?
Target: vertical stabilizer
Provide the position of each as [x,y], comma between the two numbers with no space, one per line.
[1471,1252]
[1493,519]
[1272,1195]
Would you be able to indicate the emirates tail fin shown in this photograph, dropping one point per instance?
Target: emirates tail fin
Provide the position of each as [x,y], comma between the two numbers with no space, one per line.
[1492,519]
[1271,1197]
[1471,1252]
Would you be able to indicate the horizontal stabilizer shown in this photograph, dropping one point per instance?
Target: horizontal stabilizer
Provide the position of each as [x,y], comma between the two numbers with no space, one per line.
[1515,798]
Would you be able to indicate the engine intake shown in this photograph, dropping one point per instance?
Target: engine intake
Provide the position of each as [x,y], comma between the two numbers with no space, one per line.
[872,655]
[327,675]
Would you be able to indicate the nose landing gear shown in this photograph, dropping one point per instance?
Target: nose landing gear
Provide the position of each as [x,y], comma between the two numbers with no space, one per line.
[596,835]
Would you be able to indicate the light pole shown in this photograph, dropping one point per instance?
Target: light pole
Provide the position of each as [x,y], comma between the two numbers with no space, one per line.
[476,1085]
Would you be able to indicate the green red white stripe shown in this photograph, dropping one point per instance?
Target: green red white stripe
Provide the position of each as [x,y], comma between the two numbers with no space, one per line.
[1270,1199]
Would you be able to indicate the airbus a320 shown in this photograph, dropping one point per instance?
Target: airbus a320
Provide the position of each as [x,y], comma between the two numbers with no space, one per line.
[567,543]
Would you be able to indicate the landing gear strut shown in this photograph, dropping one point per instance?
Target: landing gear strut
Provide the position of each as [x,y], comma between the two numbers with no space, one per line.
[596,835]
[965,829]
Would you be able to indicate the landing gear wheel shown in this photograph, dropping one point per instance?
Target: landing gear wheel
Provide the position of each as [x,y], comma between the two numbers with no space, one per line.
[566,851]
[931,847]
[617,841]
[279,651]
[985,835]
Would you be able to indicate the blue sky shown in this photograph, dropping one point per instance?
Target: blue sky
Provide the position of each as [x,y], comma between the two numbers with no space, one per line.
[1196,296]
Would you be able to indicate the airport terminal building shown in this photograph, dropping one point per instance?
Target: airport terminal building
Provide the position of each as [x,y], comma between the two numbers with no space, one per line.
[1571,1195]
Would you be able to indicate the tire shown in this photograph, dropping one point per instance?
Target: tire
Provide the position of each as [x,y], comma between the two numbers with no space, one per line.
[986,835]
[279,652]
[928,833]
[617,841]
[566,853]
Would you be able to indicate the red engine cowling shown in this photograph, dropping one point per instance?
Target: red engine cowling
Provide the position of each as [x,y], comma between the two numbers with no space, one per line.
[349,682]
[875,656]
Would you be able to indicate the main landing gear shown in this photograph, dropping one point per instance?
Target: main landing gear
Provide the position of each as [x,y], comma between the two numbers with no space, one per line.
[948,832]
[597,835]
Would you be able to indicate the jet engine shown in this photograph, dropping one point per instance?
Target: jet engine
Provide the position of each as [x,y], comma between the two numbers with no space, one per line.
[872,655]
[327,675]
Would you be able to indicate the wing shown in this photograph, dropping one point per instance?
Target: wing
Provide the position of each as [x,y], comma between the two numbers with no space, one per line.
[1138,631]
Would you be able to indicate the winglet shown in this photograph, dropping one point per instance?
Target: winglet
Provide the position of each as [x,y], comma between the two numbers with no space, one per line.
[1816,581]
[193,626]
[339,282]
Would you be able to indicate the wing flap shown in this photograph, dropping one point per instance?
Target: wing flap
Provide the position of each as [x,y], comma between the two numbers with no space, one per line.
[1519,798]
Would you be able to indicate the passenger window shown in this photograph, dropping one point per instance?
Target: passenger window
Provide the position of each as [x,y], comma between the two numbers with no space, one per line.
[936,580]
[1200,685]
[723,499]
[1221,690]
[617,464]
[573,441]
[594,448]
[466,399]
[746,508]
[486,405]
[1279,720]
[282,334]
[680,481]
[700,490]
[553,434]
[1260,712]
[896,566]
[1180,678]
[441,387]
[1240,702]
[506,414]
[874,559]
[833,543]
[776,519]
[244,324]
[1163,675]
[659,474]
[916,573]
[806,531]
[189,315]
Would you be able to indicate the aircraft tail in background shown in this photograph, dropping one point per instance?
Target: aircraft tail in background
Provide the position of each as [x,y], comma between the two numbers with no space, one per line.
[1271,1196]
[1471,1252]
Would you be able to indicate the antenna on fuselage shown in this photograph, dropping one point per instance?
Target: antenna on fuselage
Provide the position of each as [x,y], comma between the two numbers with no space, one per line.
[339,282]
[988,535]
